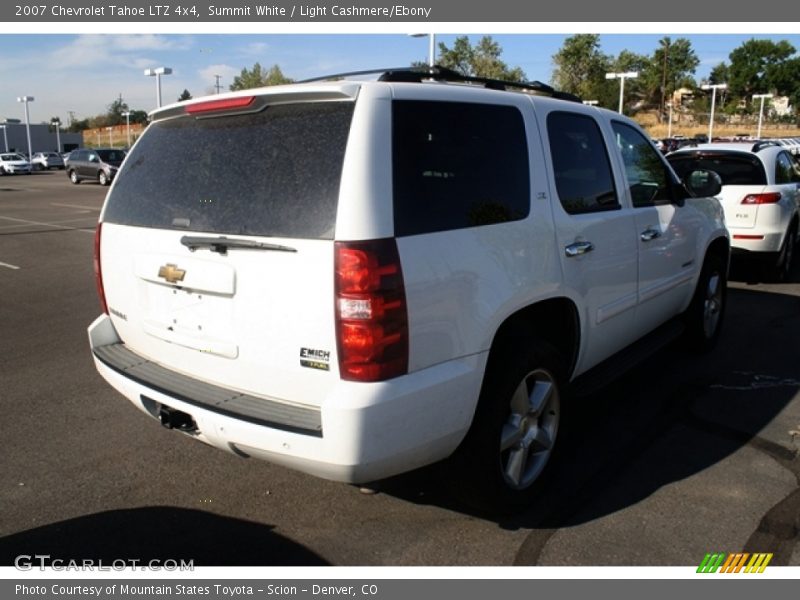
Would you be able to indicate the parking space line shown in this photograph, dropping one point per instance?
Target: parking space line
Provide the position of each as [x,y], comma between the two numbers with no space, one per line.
[54,226]
[8,266]
[95,208]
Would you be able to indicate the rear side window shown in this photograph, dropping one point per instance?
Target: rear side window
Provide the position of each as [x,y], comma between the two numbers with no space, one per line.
[735,168]
[274,173]
[457,165]
[582,170]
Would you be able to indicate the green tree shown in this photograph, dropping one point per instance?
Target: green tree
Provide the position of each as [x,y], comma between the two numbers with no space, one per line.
[114,114]
[785,80]
[580,68]
[258,77]
[671,67]
[138,116]
[185,95]
[78,125]
[755,67]
[481,60]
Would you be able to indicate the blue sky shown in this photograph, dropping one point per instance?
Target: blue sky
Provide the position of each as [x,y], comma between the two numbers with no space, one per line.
[85,73]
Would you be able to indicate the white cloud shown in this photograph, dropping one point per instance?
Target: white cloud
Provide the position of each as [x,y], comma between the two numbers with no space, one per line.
[255,49]
[123,51]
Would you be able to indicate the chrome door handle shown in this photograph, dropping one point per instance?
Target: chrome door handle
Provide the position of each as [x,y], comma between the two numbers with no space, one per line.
[648,235]
[578,248]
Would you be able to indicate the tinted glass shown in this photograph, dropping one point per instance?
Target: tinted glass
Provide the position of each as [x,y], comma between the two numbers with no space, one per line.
[735,168]
[111,156]
[647,176]
[274,173]
[786,170]
[581,167]
[457,165]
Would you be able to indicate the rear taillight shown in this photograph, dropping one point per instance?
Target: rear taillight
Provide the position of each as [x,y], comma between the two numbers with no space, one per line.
[371,315]
[770,198]
[98,274]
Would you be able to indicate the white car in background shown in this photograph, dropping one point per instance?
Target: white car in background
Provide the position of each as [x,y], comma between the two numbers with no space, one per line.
[760,196]
[43,161]
[13,164]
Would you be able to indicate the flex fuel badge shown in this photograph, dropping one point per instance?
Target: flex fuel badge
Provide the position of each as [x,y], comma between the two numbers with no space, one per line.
[315,359]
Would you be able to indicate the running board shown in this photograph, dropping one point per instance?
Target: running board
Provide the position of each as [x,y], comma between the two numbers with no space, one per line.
[627,359]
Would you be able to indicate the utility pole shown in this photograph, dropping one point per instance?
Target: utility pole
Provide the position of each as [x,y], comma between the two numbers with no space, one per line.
[217,86]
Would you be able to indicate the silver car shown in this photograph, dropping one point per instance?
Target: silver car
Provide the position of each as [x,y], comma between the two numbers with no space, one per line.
[43,161]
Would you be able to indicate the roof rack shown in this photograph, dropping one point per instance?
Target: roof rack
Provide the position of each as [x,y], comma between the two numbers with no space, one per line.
[760,145]
[437,73]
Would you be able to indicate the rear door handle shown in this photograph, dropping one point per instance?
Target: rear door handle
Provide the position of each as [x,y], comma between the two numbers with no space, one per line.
[648,235]
[578,248]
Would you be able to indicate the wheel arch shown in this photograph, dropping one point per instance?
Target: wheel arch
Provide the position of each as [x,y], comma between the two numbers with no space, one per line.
[554,320]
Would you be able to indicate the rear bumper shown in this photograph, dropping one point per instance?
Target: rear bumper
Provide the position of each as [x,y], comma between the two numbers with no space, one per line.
[746,241]
[360,432]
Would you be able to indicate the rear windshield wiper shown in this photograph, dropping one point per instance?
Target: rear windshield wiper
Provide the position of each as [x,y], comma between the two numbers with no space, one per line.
[222,243]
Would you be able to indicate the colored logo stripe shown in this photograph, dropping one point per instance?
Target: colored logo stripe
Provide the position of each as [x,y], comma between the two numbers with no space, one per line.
[734,563]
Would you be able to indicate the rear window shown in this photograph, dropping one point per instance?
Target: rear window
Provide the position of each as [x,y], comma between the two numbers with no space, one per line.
[457,165]
[111,155]
[275,173]
[733,168]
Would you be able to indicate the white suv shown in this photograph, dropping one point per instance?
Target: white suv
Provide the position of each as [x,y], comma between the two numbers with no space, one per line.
[760,195]
[394,272]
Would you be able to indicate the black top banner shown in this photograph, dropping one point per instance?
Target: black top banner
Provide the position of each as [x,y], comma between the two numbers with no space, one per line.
[386,11]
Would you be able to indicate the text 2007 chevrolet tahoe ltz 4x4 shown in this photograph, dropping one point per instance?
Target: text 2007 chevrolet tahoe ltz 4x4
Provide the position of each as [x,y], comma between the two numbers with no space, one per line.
[359,278]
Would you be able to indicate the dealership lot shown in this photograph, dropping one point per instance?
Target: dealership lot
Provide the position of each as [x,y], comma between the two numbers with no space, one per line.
[682,456]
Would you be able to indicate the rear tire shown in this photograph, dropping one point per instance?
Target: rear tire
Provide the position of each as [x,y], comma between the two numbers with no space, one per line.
[705,314]
[783,265]
[509,451]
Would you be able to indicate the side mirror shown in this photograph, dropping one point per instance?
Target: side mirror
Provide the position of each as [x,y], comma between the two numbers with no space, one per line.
[702,184]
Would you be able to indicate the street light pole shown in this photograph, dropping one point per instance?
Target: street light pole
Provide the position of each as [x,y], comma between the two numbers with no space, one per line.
[25,100]
[158,72]
[622,77]
[127,115]
[760,111]
[57,123]
[5,136]
[431,46]
[713,87]
[110,141]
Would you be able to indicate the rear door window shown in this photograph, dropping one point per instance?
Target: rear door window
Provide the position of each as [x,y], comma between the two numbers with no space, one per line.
[274,173]
[457,165]
[581,166]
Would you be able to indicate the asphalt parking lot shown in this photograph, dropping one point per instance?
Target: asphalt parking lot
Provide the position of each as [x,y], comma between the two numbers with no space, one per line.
[683,456]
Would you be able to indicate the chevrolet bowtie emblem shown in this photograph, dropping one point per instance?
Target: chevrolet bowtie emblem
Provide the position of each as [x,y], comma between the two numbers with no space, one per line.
[171,273]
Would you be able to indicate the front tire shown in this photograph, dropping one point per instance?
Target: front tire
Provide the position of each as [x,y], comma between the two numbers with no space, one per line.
[73,177]
[705,314]
[103,178]
[507,456]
